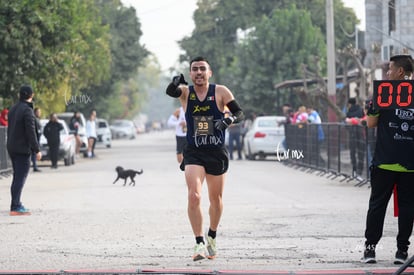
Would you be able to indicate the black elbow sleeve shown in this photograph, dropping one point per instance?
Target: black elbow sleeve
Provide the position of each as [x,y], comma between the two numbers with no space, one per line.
[173,90]
[235,109]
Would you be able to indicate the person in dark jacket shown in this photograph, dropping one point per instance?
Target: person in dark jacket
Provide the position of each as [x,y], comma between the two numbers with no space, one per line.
[52,134]
[21,143]
[38,113]
[392,167]
[356,136]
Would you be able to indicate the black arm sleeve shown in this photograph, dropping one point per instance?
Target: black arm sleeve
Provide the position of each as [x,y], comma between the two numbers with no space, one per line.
[173,90]
[237,112]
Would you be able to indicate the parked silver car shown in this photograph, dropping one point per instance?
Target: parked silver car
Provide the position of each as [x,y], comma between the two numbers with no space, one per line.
[123,128]
[264,137]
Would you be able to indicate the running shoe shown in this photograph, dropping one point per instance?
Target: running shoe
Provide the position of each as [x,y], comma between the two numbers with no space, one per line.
[400,257]
[369,256]
[211,247]
[199,252]
[21,211]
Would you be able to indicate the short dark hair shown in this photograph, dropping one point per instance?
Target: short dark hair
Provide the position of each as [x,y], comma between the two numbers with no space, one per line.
[352,100]
[199,58]
[26,92]
[404,61]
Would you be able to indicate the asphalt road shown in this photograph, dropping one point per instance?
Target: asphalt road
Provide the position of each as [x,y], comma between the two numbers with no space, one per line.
[275,217]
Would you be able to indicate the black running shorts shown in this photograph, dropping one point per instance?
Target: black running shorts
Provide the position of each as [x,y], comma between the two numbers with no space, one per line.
[181,142]
[214,161]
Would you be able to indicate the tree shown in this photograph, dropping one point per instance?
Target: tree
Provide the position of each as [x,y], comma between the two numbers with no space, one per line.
[127,55]
[263,59]
[218,22]
[82,42]
[73,52]
[217,25]
[158,106]
[220,27]
[52,45]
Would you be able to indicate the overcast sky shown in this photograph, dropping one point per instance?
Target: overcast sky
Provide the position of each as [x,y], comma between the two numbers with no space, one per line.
[164,22]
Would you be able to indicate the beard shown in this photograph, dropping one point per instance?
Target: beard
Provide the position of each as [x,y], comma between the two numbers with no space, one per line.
[199,82]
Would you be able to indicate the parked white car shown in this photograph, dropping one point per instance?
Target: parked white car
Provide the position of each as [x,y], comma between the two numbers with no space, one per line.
[103,132]
[67,147]
[81,131]
[264,137]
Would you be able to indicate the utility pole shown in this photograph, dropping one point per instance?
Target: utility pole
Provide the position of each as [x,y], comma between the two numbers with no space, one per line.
[330,37]
[356,38]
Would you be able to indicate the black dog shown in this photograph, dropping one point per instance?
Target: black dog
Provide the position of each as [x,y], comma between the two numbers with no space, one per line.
[124,174]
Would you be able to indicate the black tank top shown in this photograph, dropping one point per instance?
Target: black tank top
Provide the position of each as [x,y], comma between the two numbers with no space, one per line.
[200,117]
[395,140]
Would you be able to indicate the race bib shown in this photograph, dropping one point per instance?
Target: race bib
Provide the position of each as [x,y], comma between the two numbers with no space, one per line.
[203,125]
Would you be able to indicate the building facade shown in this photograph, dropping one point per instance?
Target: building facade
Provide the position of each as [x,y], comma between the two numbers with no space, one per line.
[389,30]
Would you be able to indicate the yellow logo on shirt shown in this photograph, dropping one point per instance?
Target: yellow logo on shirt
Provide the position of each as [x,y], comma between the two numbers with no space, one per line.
[198,108]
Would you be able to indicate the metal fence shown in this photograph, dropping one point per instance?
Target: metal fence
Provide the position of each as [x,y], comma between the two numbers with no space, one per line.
[5,162]
[334,149]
